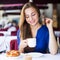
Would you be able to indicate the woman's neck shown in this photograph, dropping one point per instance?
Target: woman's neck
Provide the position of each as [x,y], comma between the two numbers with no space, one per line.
[34,29]
[37,26]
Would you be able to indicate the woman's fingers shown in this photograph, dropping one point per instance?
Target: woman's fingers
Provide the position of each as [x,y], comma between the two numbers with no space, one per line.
[47,20]
[23,43]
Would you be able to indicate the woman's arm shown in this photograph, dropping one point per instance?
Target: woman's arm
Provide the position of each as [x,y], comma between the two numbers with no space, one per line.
[53,46]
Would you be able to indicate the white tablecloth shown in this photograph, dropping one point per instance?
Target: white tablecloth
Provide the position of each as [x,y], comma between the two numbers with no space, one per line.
[44,57]
[2,43]
[8,39]
[6,33]
[5,42]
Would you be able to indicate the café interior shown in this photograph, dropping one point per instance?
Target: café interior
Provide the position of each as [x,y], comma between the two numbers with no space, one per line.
[10,12]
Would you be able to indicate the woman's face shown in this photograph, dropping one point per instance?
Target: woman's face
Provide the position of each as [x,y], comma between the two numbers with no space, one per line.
[31,16]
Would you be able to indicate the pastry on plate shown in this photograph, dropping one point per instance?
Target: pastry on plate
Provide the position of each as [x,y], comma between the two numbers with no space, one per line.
[13,53]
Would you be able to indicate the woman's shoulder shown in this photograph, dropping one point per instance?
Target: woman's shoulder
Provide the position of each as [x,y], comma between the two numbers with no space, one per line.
[43,27]
[43,31]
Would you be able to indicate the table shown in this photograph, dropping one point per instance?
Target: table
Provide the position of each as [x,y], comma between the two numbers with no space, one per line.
[8,40]
[5,42]
[44,57]
[6,33]
[2,43]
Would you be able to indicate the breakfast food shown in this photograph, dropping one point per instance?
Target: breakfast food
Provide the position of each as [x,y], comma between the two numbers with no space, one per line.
[13,53]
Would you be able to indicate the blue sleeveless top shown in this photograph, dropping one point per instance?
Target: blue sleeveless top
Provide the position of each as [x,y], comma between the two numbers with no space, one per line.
[42,39]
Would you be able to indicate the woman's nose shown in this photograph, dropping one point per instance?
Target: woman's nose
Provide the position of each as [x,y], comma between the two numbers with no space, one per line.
[31,18]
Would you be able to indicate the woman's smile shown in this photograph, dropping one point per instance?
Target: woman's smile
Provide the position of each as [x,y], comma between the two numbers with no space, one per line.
[32,21]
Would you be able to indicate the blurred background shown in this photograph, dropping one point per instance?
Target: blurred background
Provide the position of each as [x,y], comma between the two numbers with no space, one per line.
[10,10]
[10,16]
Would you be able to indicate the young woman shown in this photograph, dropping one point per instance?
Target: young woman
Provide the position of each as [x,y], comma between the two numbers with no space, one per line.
[31,27]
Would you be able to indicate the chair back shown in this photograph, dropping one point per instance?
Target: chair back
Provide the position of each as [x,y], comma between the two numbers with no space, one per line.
[1,34]
[13,45]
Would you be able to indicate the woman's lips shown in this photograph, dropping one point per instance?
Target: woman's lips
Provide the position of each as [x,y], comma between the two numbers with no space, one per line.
[32,21]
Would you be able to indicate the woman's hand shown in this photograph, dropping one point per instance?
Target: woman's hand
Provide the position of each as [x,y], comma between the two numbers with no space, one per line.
[49,22]
[23,43]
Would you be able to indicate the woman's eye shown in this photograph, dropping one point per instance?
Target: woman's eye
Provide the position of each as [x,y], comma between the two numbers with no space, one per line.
[33,14]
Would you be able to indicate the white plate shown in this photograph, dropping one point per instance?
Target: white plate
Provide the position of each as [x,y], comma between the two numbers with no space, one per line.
[34,54]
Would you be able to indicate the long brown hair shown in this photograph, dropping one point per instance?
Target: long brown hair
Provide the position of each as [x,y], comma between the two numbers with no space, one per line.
[25,30]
